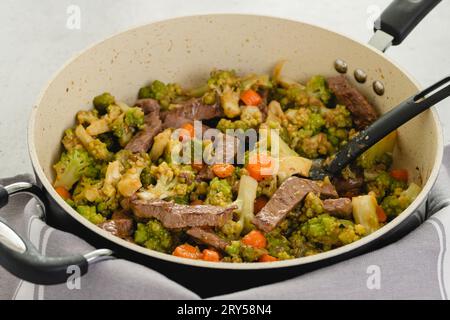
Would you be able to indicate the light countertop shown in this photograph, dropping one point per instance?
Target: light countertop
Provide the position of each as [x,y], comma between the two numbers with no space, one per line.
[36,42]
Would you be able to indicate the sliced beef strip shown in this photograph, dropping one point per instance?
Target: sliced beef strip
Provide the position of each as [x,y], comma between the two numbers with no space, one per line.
[176,216]
[120,225]
[263,106]
[148,105]
[341,208]
[289,194]
[208,237]
[363,112]
[193,109]
[143,140]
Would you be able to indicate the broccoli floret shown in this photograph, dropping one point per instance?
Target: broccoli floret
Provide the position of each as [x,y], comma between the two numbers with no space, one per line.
[312,207]
[90,192]
[396,203]
[330,231]
[102,102]
[70,140]
[238,252]
[256,81]
[72,166]
[134,117]
[130,181]
[94,146]
[339,117]
[220,193]
[200,191]
[278,245]
[172,183]
[300,246]
[315,146]
[164,93]
[267,186]
[293,96]
[90,213]
[317,86]
[383,185]
[251,118]
[154,236]
[227,86]
[87,117]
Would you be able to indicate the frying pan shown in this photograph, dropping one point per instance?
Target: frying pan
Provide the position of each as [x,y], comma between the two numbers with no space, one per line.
[184,50]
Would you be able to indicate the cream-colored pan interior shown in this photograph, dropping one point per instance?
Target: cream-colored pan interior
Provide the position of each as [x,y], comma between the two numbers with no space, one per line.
[186,49]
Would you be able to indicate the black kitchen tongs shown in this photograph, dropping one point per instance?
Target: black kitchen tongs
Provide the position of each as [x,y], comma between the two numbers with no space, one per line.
[387,123]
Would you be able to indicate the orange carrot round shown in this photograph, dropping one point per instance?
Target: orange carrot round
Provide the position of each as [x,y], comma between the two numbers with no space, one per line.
[211,255]
[63,193]
[251,98]
[187,251]
[382,217]
[260,166]
[400,174]
[255,239]
[223,170]
[187,131]
[267,258]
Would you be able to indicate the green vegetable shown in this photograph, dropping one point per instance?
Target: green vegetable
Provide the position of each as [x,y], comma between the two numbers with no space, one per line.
[90,192]
[330,231]
[102,102]
[90,213]
[239,252]
[70,140]
[396,203]
[317,86]
[227,85]
[278,245]
[384,185]
[94,146]
[164,93]
[251,118]
[72,166]
[246,199]
[377,153]
[134,117]
[154,236]
[220,193]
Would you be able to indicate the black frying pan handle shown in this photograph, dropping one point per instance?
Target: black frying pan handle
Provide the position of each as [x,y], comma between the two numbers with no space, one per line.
[402,16]
[20,257]
[388,122]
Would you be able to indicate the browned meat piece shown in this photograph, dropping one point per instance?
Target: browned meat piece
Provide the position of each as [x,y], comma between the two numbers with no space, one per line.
[264,93]
[208,237]
[175,216]
[143,140]
[349,187]
[120,225]
[289,194]
[148,105]
[341,207]
[363,112]
[193,109]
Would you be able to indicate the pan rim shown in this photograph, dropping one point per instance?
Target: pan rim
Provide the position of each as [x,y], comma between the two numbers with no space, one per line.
[221,265]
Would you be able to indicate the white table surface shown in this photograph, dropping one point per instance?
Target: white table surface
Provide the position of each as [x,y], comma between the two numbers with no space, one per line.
[35,43]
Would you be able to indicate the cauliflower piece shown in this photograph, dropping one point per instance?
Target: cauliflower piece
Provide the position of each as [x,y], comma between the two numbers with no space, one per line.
[159,144]
[112,177]
[227,86]
[130,182]
[89,192]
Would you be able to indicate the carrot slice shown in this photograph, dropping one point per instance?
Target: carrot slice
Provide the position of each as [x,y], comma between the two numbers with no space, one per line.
[260,166]
[255,239]
[223,170]
[382,217]
[211,255]
[63,193]
[187,251]
[251,98]
[400,174]
[187,132]
[267,258]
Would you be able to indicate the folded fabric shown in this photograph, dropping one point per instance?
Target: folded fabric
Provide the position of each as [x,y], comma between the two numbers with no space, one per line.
[415,267]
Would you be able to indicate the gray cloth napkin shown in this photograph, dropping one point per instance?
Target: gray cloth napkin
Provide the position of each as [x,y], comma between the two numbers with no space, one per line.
[415,267]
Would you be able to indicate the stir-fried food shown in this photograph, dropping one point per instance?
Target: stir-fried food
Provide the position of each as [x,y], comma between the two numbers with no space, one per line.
[221,172]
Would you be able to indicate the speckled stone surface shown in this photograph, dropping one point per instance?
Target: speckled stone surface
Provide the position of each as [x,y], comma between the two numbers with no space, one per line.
[36,43]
